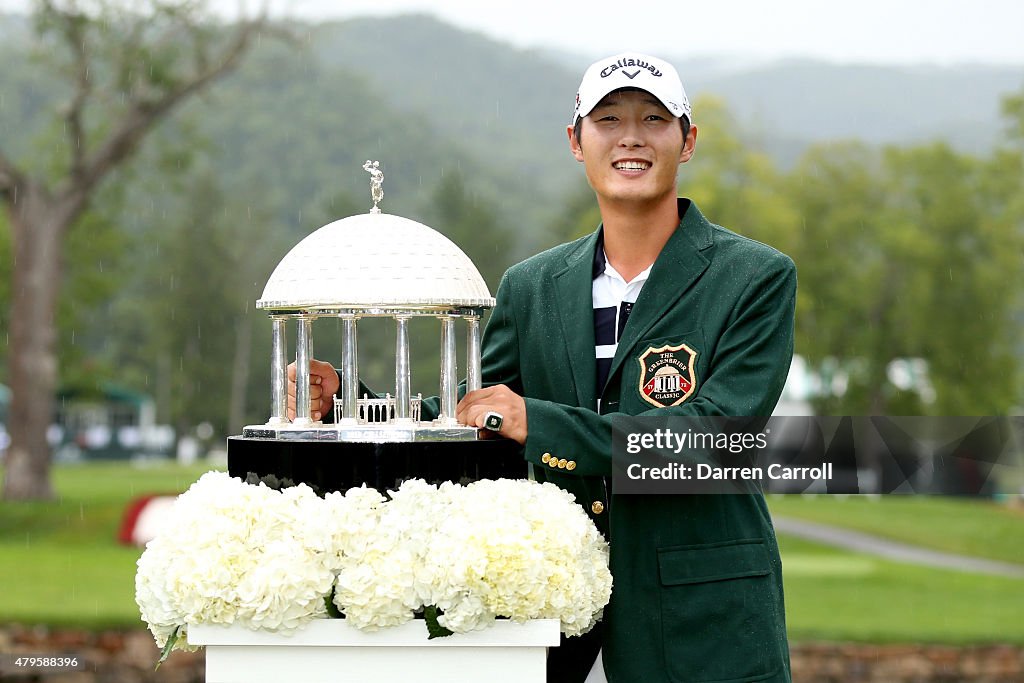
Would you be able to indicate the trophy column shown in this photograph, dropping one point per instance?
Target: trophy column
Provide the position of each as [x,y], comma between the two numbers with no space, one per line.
[349,369]
[278,372]
[303,353]
[473,380]
[403,378]
[449,371]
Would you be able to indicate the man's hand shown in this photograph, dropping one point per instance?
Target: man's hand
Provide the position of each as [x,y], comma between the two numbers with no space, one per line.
[475,405]
[323,385]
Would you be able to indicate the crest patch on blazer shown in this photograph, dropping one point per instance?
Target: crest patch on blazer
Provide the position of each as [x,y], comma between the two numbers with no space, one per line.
[667,375]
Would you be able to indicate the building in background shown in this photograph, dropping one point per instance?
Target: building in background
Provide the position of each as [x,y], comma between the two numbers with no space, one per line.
[109,423]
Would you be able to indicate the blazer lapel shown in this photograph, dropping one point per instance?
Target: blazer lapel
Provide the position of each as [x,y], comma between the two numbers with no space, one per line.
[677,267]
[574,290]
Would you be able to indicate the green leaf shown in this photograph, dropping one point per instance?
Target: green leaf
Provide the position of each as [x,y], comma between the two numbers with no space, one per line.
[332,609]
[435,629]
[166,652]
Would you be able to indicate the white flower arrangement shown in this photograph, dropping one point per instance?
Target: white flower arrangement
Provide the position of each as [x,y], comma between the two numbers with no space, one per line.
[377,584]
[495,552]
[235,553]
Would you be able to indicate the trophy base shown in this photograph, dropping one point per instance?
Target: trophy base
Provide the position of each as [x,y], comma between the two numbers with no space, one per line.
[332,465]
[362,433]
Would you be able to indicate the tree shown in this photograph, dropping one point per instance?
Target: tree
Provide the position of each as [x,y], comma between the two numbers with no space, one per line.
[906,254]
[1013,112]
[126,70]
[1003,178]
[192,319]
[849,275]
[968,276]
[579,216]
[457,211]
[735,183]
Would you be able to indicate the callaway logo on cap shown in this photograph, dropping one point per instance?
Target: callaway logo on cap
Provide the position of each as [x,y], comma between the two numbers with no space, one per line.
[631,70]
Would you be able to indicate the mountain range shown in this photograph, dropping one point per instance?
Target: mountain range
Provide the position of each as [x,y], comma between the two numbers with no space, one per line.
[428,99]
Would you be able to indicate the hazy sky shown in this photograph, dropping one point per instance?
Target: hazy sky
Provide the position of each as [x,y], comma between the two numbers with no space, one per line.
[905,31]
[940,31]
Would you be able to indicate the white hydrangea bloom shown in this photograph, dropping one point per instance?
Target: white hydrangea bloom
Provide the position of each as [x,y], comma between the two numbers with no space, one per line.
[237,553]
[496,553]
[377,584]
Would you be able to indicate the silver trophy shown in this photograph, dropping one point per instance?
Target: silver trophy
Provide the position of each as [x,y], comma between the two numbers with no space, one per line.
[373,264]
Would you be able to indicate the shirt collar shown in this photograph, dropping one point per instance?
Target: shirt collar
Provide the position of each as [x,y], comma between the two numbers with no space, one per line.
[599,259]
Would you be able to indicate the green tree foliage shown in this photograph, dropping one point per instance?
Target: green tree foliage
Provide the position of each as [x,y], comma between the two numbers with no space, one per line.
[579,216]
[734,182]
[190,314]
[968,276]
[467,219]
[849,323]
[193,288]
[1003,178]
[94,258]
[5,288]
[1013,113]
[901,257]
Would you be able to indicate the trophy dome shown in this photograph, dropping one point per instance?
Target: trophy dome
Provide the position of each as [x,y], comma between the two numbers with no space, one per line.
[375,260]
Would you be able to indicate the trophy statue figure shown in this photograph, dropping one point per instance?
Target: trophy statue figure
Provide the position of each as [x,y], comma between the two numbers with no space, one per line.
[376,183]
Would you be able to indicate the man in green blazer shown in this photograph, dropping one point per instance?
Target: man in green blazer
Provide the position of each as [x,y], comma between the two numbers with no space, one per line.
[698,582]
[574,339]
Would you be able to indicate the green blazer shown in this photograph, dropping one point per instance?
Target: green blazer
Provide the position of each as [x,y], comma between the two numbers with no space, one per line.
[697,578]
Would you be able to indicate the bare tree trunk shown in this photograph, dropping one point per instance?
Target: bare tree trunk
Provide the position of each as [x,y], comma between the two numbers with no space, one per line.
[38,226]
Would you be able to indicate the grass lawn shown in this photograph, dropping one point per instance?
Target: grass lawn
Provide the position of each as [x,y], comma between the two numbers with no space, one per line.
[837,595]
[966,526]
[61,563]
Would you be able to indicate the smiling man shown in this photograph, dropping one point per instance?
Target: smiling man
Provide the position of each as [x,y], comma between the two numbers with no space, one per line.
[658,312]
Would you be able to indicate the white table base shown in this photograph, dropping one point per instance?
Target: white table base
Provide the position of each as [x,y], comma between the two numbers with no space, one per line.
[331,651]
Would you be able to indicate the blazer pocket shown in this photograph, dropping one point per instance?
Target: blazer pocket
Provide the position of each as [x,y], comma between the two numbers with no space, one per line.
[718,613]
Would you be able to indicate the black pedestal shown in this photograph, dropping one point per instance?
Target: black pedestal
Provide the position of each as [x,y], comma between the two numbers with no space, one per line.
[338,466]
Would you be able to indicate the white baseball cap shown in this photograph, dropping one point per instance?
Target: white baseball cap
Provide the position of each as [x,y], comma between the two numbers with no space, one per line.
[631,70]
